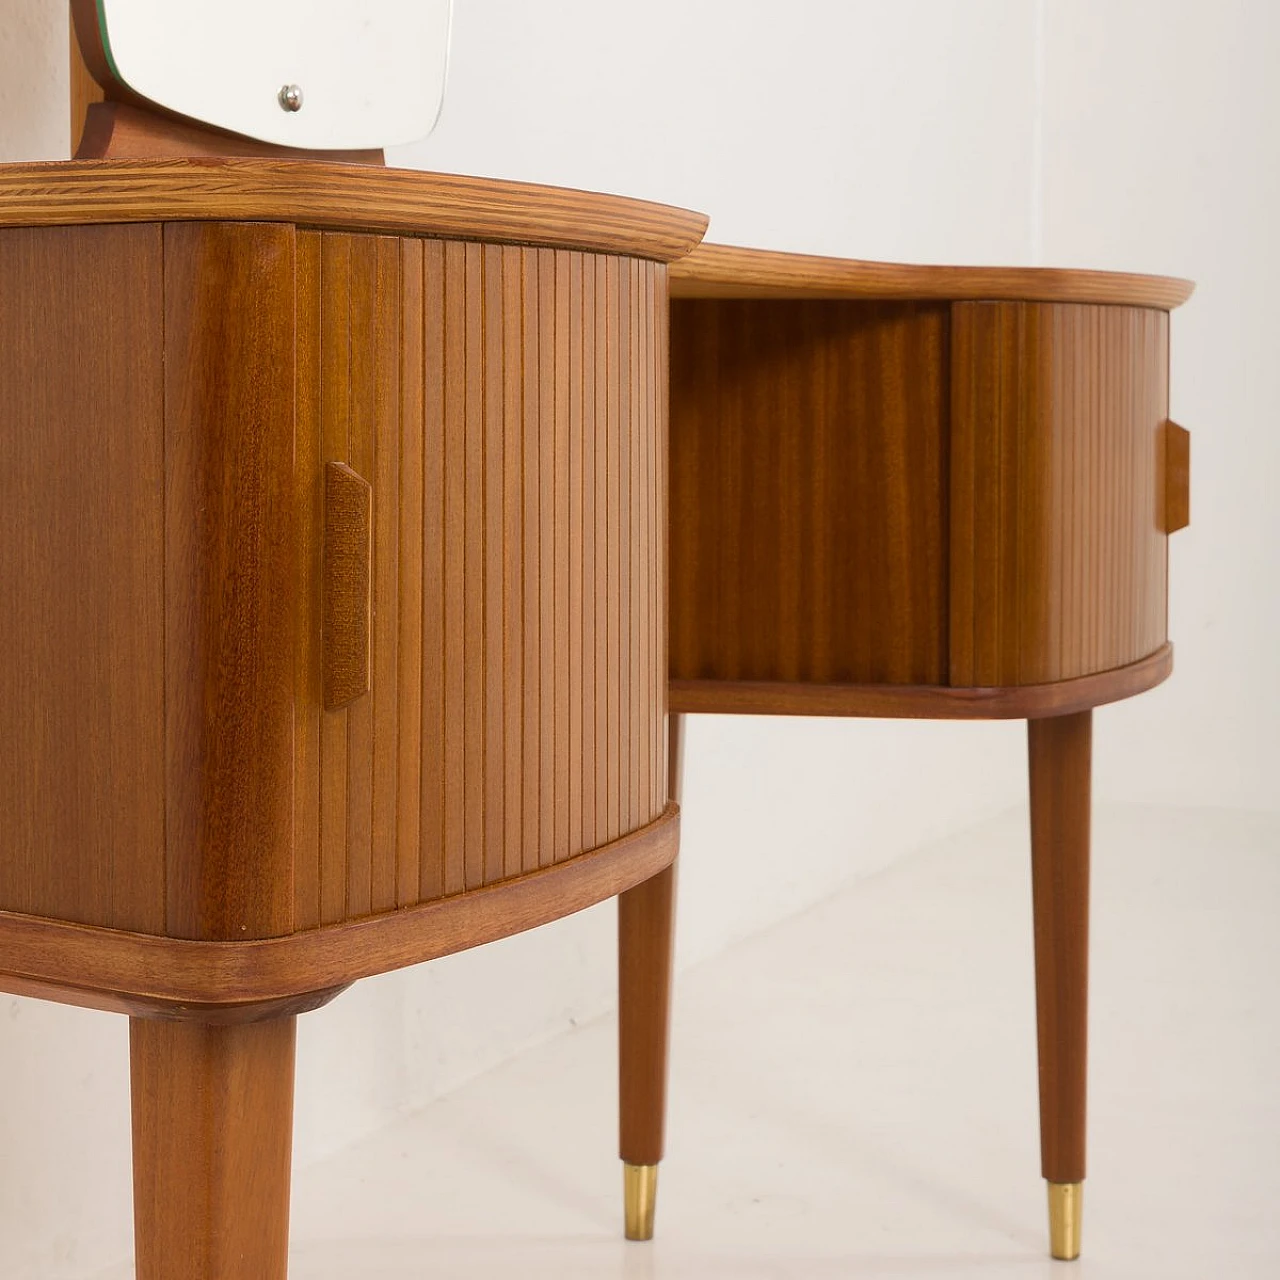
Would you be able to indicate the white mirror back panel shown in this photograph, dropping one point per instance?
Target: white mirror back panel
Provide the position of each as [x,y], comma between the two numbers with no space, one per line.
[320,74]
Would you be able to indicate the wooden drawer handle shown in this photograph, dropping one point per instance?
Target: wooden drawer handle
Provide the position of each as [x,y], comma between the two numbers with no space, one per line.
[1177,478]
[348,552]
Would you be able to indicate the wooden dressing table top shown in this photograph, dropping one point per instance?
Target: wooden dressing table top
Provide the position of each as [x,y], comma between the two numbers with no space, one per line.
[725,271]
[342,196]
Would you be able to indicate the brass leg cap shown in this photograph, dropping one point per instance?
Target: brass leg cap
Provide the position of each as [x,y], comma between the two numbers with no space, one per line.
[1066,1201]
[640,1195]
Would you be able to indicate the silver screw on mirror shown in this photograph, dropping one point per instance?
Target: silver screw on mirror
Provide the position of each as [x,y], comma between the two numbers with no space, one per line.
[291,97]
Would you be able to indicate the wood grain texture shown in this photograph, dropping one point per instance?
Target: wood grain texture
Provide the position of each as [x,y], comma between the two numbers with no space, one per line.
[333,408]
[179,973]
[433,794]
[309,478]
[342,197]
[808,491]
[417,568]
[120,131]
[926,702]
[81,571]
[543,314]
[646,941]
[229,579]
[675,756]
[670,742]
[723,271]
[1060,762]
[346,626]
[84,91]
[213,1014]
[1058,560]
[601,598]
[468,386]
[349,413]
[456,376]
[212,1149]
[388,408]
[1177,484]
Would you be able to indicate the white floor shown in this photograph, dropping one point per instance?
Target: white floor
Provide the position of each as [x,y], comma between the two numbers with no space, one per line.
[853,1094]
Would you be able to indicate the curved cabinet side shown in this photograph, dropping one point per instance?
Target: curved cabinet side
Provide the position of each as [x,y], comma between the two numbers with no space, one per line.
[1058,553]
[231,604]
[146,975]
[504,403]
[168,765]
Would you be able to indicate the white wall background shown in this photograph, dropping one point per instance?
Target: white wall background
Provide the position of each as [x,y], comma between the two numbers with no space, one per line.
[1124,133]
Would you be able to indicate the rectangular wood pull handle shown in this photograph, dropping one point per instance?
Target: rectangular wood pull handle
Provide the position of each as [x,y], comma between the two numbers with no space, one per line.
[1177,478]
[346,626]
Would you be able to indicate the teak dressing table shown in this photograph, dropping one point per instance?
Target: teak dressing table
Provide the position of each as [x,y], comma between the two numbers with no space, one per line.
[261,735]
[933,492]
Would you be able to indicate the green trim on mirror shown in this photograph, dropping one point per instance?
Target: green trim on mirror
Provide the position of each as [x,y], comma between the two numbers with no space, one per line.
[100,10]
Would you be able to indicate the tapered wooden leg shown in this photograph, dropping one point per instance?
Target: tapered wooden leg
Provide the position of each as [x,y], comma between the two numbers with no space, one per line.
[646,920]
[212,1137]
[1060,750]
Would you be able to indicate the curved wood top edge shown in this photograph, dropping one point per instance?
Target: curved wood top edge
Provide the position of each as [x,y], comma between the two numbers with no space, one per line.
[342,196]
[207,981]
[725,271]
[920,702]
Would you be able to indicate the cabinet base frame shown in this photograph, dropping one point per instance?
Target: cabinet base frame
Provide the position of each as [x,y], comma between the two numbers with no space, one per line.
[921,702]
[175,978]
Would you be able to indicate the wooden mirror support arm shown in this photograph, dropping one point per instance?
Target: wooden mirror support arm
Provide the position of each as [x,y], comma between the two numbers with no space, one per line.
[121,131]
[85,90]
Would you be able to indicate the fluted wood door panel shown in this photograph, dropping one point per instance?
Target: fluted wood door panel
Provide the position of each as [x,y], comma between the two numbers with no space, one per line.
[504,404]
[1058,554]
[808,491]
